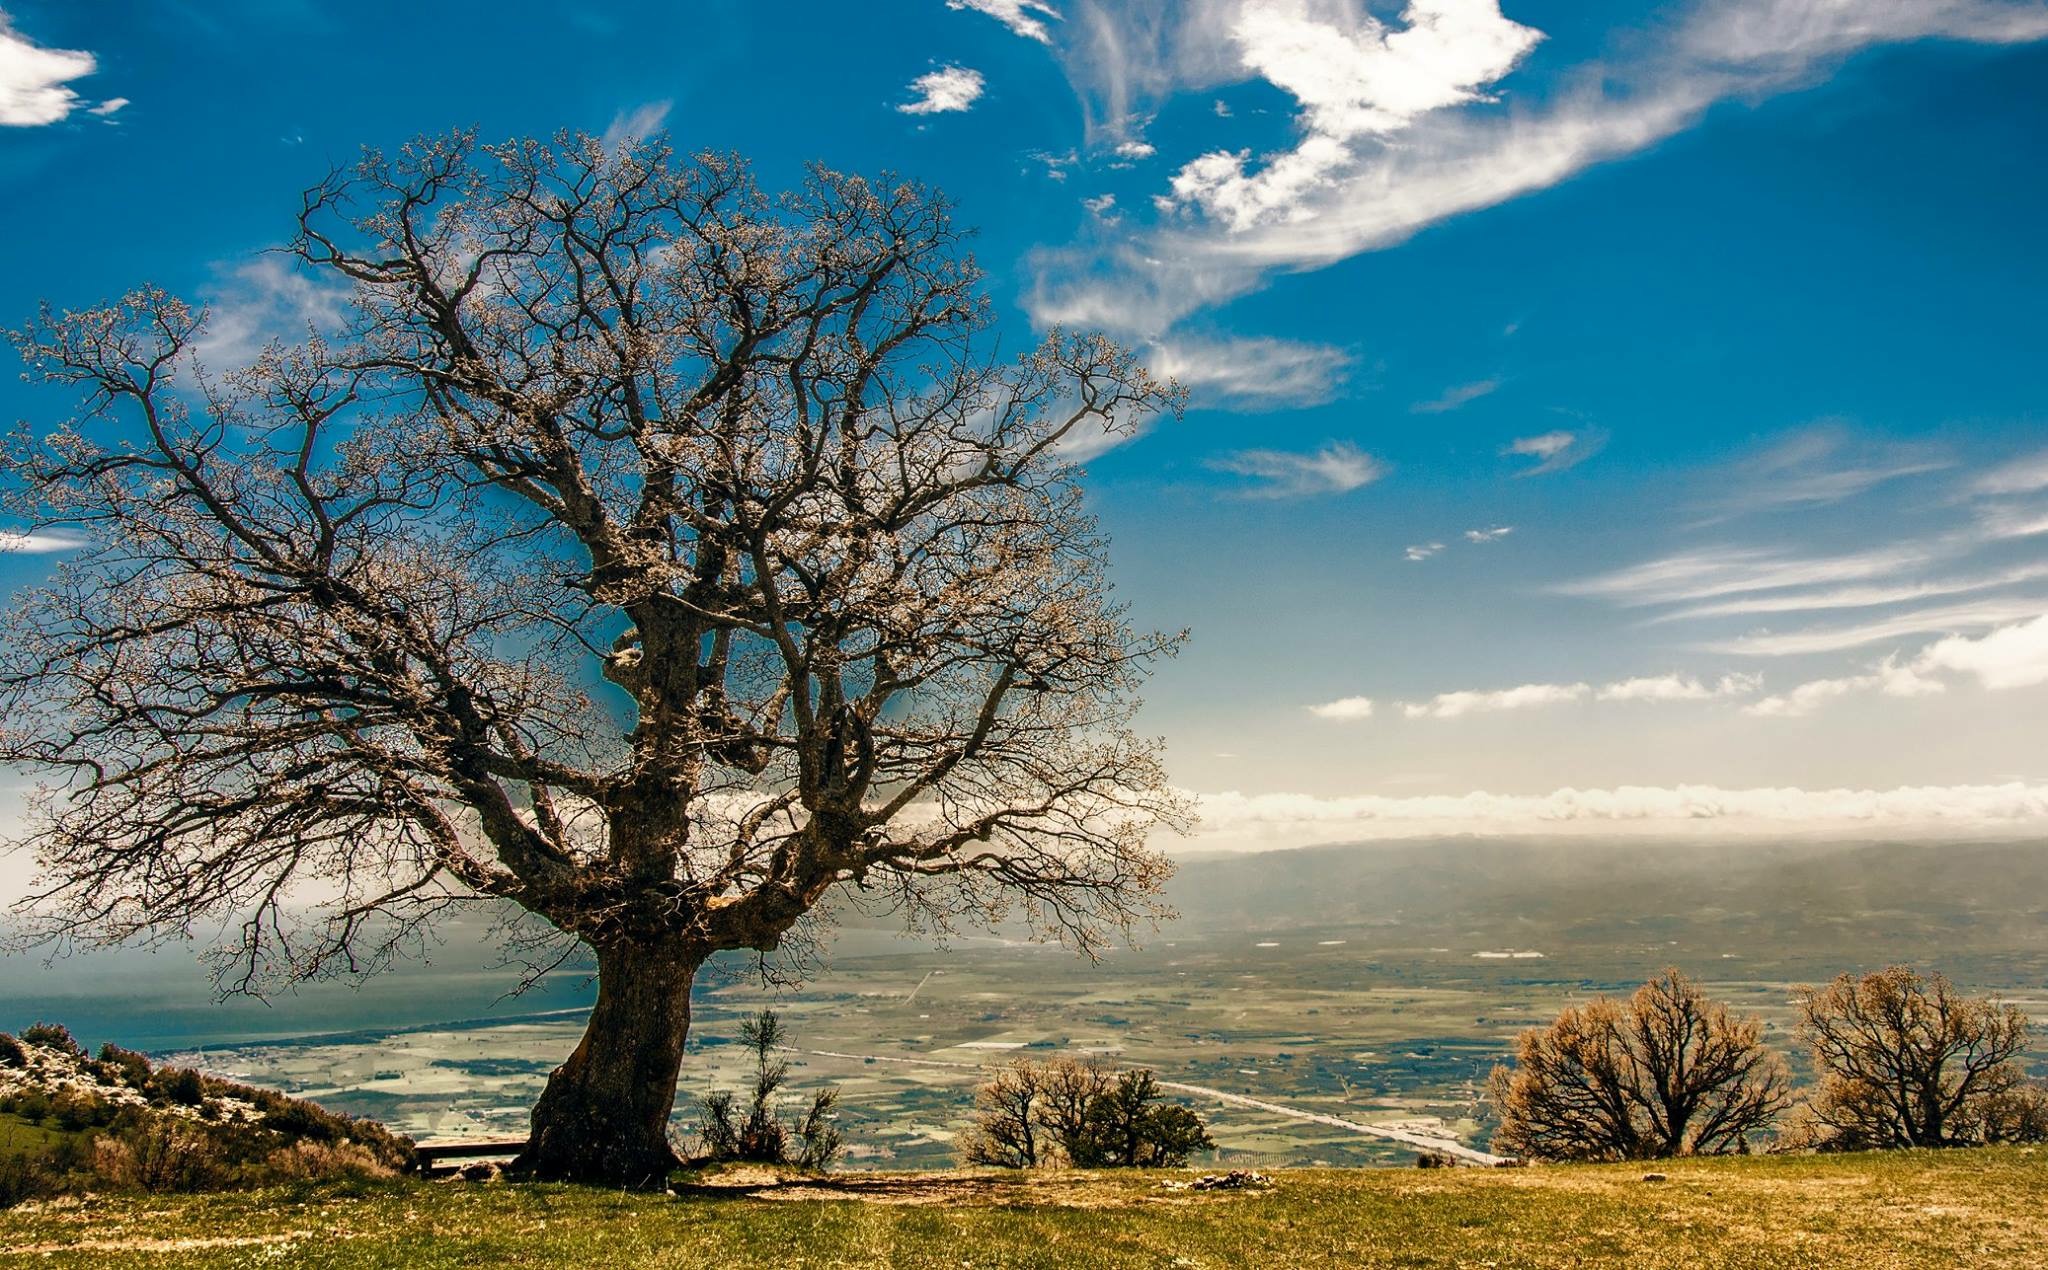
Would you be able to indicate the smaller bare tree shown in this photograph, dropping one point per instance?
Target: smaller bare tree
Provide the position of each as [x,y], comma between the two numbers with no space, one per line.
[1665,1073]
[1907,1061]
[1007,1110]
[1083,1114]
[1069,1087]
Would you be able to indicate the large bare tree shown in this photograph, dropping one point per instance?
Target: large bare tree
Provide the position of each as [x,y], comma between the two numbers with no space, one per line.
[647,553]
[1665,1073]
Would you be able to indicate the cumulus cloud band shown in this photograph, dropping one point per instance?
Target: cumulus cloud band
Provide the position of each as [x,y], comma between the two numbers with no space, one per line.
[1238,821]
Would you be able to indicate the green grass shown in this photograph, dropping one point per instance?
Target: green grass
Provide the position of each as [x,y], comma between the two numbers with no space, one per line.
[1962,1208]
[18,1136]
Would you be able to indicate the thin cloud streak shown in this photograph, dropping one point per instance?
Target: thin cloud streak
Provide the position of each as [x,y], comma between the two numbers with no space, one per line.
[1833,639]
[1337,468]
[1454,398]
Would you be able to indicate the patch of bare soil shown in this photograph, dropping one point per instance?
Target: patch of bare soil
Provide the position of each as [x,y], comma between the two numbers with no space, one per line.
[914,1189]
[194,1244]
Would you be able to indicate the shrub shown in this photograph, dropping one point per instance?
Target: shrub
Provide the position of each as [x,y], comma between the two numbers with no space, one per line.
[11,1053]
[76,1110]
[756,1134]
[1126,1126]
[321,1161]
[180,1085]
[33,1106]
[1436,1160]
[123,1066]
[174,1157]
[24,1177]
[52,1036]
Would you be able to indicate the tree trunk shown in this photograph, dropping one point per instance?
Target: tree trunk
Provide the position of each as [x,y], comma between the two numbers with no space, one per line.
[603,1117]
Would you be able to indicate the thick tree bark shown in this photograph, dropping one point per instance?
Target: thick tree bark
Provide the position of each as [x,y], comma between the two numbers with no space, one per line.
[604,1115]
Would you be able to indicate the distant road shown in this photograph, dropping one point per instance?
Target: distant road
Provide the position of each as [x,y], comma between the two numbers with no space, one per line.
[1424,1141]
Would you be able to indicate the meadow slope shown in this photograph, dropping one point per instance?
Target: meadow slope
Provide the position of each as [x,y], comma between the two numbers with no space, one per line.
[1907,1209]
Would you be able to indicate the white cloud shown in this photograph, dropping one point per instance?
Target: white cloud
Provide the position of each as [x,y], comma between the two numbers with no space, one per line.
[1543,446]
[1101,204]
[1555,451]
[14,542]
[1346,709]
[1888,677]
[1856,597]
[110,106]
[631,126]
[1453,705]
[264,300]
[1251,822]
[1347,189]
[1930,621]
[1337,468]
[1735,570]
[2021,476]
[1021,16]
[1135,150]
[1423,550]
[1494,534]
[1353,77]
[1825,463]
[1251,373]
[1676,687]
[2013,656]
[33,80]
[2008,522]
[1461,395]
[950,88]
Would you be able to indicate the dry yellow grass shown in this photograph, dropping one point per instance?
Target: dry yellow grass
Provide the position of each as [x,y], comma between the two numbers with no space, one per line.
[1908,1209]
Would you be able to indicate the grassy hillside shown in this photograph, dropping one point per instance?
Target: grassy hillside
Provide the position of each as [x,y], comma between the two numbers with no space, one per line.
[1963,1208]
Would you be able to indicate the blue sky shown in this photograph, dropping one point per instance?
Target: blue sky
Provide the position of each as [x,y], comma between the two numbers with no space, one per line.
[1606,417]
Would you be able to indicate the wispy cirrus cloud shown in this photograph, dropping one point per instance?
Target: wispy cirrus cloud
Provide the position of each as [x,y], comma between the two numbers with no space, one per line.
[262,300]
[1023,17]
[1857,597]
[37,542]
[1454,397]
[1336,468]
[1940,620]
[637,124]
[1252,373]
[1555,451]
[2024,475]
[1492,534]
[1825,463]
[946,90]
[1421,551]
[1734,569]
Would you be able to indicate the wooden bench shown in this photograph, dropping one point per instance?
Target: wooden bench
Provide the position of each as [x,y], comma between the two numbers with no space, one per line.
[443,1159]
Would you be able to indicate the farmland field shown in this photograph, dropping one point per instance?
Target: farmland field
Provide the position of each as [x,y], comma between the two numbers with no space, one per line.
[1372,985]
